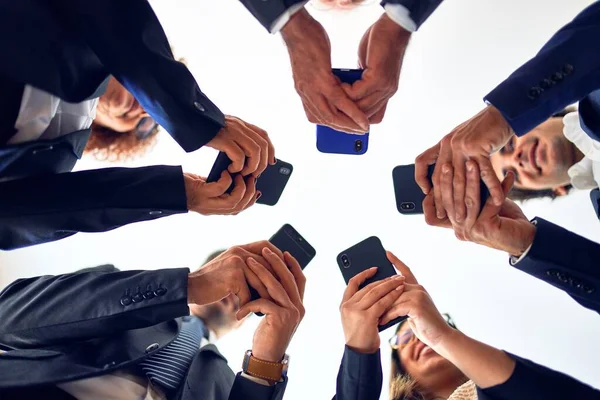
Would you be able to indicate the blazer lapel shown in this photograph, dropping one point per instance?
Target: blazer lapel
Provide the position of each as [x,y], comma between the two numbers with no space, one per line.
[595,197]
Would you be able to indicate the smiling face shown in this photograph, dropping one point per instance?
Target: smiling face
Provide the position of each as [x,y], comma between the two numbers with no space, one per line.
[540,159]
[117,109]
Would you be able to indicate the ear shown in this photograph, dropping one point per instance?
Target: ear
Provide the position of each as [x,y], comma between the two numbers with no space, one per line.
[560,191]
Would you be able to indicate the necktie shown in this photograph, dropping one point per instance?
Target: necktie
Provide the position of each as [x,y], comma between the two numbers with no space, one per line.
[169,366]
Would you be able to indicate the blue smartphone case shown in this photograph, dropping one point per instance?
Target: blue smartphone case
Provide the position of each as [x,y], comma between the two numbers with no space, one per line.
[336,142]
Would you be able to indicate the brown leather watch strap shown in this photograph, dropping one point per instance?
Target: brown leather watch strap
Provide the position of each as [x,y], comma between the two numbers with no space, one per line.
[264,369]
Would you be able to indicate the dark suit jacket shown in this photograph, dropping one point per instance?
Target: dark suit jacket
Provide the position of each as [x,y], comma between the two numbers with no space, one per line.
[68,327]
[360,378]
[69,48]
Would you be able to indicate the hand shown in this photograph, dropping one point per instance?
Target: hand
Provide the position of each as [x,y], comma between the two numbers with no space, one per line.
[475,139]
[212,199]
[362,309]
[284,312]
[247,146]
[228,273]
[424,319]
[380,54]
[323,98]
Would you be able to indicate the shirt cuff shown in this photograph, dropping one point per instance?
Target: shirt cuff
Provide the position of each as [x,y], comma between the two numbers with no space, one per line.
[284,18]
[514,260]
[260,381]
[400,15]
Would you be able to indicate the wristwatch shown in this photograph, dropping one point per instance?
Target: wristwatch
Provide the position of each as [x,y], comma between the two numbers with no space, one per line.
[270,371]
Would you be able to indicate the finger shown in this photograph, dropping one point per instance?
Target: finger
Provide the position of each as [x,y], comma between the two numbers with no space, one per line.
[296,270]
[378,116]
[379,292]
[446,191]
[444,157]
[218,188]
[284,275]
[422,163]
[228,202]
[263,306]
[261,138]
[249,194]
[347,106]
[491,180]
[274,288]
[459,186]
[337,120]
[235,154]
[270,146]
[361,89]
[369,102]
[431,215]
[472,195]
[387,301]
[402,268]
[255,283]
[490,208]
[251,144]
[403,306]
[355,282]
[366,289]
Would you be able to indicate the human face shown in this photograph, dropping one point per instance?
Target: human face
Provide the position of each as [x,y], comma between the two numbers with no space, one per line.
[424,365]
[540,159]
[117,109]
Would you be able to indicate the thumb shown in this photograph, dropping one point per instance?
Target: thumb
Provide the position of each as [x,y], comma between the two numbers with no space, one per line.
[218,188]
[263,306]
[490,209]
[360,89]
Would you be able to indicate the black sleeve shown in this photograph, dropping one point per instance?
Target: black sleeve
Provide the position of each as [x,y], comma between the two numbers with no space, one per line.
[420,10]
[565,260]
[130,42]
[267,12]
[533,381]
[49,310]
[360,376]
[245,389]
[47,208]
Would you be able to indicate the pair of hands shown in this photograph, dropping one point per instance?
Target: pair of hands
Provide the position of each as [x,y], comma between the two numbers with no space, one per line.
[276,276]
[326,101]
[378,303]
[250,151]
[462,158]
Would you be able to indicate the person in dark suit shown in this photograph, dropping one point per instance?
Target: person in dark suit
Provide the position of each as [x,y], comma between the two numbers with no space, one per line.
[48,102]
[431,359]
[325,100]
[101,333]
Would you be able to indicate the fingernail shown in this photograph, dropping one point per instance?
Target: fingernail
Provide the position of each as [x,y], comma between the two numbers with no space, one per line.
[400,287]
[469,167]
[445,169]
[398,277]
[251,261]
[268,251]
[372,268]
[440,216]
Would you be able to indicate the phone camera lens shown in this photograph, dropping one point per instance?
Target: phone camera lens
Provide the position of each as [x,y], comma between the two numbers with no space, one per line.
[284,171]
[358,145]
[345,261]
[407,206]
[300,238]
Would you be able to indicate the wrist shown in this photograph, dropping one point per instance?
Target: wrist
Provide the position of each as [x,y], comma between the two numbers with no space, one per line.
[190,191]
[393,28]
[499,121]
[447,340]
[526,242]
[297,23]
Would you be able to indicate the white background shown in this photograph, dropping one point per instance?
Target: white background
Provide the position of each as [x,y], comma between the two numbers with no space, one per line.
[461,53]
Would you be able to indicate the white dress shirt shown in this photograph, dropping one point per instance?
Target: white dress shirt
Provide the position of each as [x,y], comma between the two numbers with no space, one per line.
[45,116]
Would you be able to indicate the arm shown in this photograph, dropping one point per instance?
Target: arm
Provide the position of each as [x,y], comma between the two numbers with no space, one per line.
[565,70]
[360,376]
[47,208]
[48,310]
[131,44]
[532,381]
[565,260]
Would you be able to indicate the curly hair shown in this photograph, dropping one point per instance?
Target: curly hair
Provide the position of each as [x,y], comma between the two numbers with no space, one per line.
[108,145]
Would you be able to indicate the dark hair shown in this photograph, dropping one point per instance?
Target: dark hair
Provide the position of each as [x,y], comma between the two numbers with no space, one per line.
[529,194]
[108,145]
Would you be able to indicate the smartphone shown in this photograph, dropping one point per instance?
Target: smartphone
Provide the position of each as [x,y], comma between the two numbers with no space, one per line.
[288,239]
[362,256]
[271,182]
[409,196]
[332,141]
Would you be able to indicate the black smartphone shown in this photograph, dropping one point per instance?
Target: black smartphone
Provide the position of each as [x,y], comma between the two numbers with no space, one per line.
[288,239]
[362,256]
[409,196]
[271,182]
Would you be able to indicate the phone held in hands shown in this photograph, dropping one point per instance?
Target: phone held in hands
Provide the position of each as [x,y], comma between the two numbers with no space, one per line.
[362,256]
[271,182]
[332,141]
[288,239]
[409,196]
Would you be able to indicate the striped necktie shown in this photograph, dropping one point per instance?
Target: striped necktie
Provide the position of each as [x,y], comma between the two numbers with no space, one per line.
[170,365]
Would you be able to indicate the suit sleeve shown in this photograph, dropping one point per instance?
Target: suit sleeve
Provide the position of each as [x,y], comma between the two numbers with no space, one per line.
[533,381]
[267,12]
[245,389]
[130,42]
[49,310]
[46,208]
[565,260]
[360,376]
[419,10]
[565,70]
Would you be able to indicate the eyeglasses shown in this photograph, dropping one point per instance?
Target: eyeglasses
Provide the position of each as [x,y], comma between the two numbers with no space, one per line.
[400,340]
[145,127]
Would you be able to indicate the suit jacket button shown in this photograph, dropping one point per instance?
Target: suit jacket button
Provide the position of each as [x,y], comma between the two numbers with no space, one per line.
[137,297]
[199,106]
[562,277]
[155,212]
[109,365]
[149,295]
[588,289]
[534,93]
[126,300]
[567,69]
[546,84]
[152,347]
[160,291]
[557,77]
